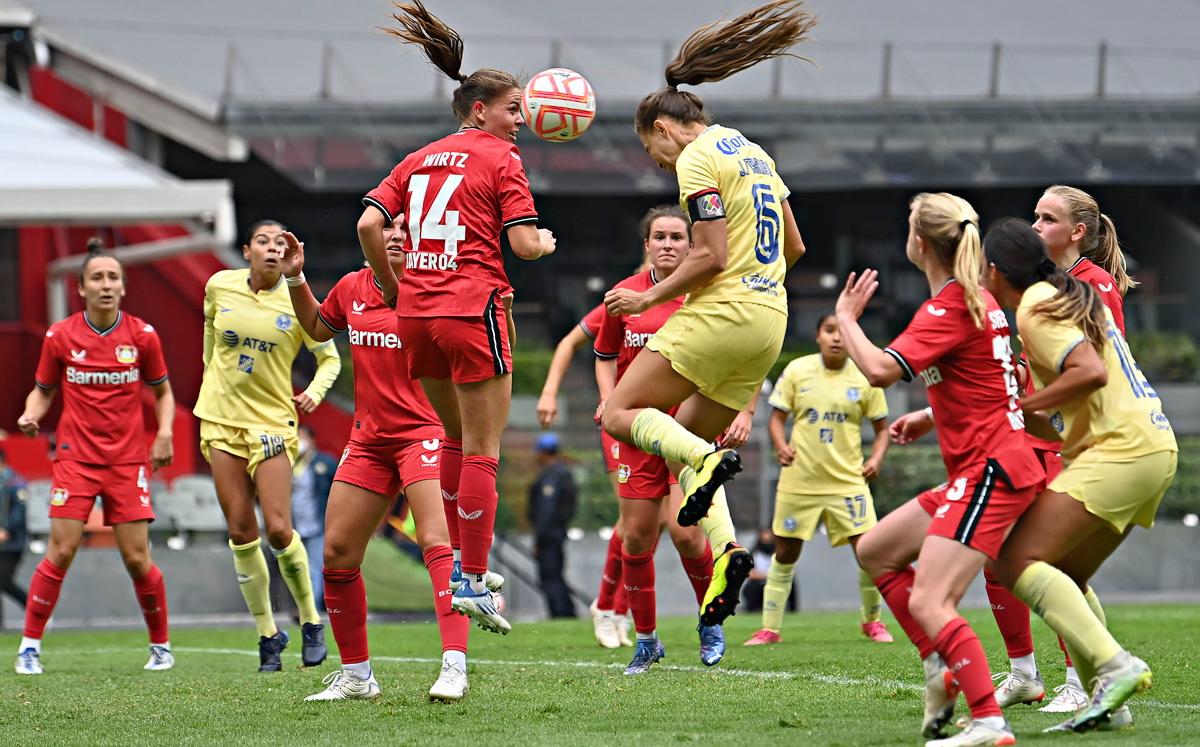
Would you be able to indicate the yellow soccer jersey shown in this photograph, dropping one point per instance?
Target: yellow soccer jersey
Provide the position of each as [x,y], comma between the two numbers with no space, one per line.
[828,408]
[250,342]
[724,175]
[1123,418]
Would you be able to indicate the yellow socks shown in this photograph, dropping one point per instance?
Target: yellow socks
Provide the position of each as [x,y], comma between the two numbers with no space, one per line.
[872,600]
[655,432]
[775,594]
[1084,668]
[717,523]
[293,564]
[255,583]
[1056,598]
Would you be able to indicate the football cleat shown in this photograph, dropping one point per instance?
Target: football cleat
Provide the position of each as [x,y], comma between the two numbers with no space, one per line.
[1117,720]
[343,685]
[494,581]
[730,571]
[712,644]
[160,659]
[941,698]
[480,607]
[313,651]
[877,632]
[269,650]
[1112,688]
[29,662]
[1015,689]
[646,653]
[975,735]
[623,625]
[604,624]
[718,468]
[1067,699]
[762,637]
[451,684]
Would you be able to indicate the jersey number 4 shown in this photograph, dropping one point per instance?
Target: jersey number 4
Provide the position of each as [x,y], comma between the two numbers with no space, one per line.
[439,224]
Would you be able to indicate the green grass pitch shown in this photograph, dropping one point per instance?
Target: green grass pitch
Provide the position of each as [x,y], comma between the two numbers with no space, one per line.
[550,684]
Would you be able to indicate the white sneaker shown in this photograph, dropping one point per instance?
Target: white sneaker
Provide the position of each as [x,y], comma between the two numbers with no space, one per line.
[29,662]
[1015,689]
[343,685]
[941,698]
[1067,699]
[975,735]
[160,658]
[604,624]
[451,684]
[481,607]
[624,625]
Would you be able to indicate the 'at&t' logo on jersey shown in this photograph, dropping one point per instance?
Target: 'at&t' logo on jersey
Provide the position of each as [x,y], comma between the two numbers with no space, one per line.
[230,338]
[374,339]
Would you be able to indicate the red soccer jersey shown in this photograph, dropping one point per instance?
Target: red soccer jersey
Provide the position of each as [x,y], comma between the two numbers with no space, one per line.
[101,374]
[456,195]
[387,404]
[623,337]
[972,386]
[590,323]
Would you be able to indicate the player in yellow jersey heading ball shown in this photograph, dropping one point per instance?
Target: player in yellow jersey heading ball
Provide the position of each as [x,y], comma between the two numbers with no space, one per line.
[248,429]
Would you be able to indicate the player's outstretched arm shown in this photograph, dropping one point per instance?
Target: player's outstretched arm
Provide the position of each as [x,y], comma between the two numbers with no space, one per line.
[881,369]
[374,248]
[304,303]
[547,406]
[707,260]
[530,242]
[37,404]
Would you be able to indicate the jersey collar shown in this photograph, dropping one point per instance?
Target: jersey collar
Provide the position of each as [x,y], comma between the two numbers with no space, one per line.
[272,289]
[1077,262]
[948,282]
[653,277]
[104,332]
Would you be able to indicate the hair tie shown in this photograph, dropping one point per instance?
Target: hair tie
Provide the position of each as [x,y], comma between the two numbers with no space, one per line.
[962,226]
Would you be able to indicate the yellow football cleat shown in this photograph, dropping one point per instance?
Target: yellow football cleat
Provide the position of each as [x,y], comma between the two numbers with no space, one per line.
[730,571]
[718,468]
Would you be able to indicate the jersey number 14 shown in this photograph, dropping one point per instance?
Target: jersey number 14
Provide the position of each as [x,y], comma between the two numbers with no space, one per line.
[439,224]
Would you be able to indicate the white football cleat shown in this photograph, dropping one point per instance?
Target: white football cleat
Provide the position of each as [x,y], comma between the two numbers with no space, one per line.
[481,607]
[624,625]
[604,624]
[160,659]
[941,699]
[494,581]
[1067,699]
[29,662]
[1015,689]
[343,685]
[451,684]
[977,735]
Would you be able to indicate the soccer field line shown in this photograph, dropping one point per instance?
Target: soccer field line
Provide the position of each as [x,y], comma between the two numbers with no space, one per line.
[753,673]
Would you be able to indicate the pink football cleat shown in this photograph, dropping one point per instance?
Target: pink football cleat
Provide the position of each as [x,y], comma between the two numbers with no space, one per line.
[877,632]
[763,636]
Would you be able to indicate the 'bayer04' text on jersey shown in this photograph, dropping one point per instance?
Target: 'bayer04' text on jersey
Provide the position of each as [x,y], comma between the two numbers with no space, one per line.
[724,175]
[591,321]
[828,407]
[388,406]
[623,337]
[456,194]
[972,384]
[251,340]
[1124,418]
[101,376]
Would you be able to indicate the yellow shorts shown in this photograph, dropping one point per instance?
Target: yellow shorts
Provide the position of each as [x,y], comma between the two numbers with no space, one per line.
[846,516]
[252,444]
[725,349]
[1120,491]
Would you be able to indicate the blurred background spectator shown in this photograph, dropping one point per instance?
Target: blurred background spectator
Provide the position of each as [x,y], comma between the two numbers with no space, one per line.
[13,497]
[551,506]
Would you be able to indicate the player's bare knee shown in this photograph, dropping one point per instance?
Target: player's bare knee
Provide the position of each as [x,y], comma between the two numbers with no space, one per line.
[279,537]
[61,554]
[431,538]
[137,563]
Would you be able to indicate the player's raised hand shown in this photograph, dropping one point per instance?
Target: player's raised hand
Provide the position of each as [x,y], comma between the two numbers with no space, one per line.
[292,261]
[28,425]
[910,426]
[857,293]
[304,402]
[620,301]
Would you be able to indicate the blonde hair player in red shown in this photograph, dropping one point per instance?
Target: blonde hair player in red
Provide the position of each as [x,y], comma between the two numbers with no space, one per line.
[457,194]
[1074,231]
[710,358]
[100,358]
[394,447]
[958,345]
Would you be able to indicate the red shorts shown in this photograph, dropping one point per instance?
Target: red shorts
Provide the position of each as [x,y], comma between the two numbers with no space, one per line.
[460,348]
[976,511]
[642,475]
[122,488]
[1051,463]
[610,449]
[387,468]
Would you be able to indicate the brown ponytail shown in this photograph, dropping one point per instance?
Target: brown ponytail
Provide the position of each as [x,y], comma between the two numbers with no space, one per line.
[1099,242]
[722,49]
[950,228]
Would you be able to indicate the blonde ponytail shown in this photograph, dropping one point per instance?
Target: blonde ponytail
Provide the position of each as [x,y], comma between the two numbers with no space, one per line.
[950,228]
[1108,255]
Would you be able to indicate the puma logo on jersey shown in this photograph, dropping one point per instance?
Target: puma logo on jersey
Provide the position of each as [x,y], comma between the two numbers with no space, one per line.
[78,354]
[1104,288]
[469,516]
[358,307]
[935,311]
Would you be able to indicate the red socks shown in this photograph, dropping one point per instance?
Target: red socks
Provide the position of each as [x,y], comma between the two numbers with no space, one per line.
[1061,644]
[638,573]
[452,626]
[896,589]
[1012,617]
[43,595]
[699,571]
[959,647]
[152,596]
[346,603]
[477,511]
[610,577]
[449,474]
[621,601]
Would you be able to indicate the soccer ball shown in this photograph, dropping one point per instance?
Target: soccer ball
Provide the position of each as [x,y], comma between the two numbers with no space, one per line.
[558,104]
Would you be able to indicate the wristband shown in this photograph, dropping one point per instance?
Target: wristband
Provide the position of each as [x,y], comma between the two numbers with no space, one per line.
[296,281]
[929,412]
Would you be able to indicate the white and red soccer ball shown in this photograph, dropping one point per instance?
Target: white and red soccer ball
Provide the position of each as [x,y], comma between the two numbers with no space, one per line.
[558,104]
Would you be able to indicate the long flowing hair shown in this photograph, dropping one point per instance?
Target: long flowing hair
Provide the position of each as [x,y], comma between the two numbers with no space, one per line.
[1100,234]
[950,228]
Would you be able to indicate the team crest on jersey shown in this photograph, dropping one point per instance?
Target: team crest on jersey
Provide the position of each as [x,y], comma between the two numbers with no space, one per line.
[284,322]
[616,450]
[345,454]
[245,364]
[1056,420]
[58,497]
[623,471]
[790,523]
[852,394]
[127,354]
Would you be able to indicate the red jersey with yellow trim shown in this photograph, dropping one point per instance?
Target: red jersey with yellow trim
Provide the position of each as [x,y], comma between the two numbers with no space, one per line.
[972,384]
[101,374]
[623,337]
[456,194]
[387,404]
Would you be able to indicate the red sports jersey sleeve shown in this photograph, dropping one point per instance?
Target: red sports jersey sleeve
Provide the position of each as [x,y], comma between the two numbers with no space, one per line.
[154,368]
[591,321]
[388,197]
[516,203]
[624,336]
[1097,277]
[332,310]
[49,369]
[932,333]
[608,337]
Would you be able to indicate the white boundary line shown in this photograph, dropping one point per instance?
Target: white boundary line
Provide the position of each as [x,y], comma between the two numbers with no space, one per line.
[823,678]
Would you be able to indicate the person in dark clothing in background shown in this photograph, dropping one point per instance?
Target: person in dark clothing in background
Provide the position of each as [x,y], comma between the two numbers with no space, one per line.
[13,496]
[551,506]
